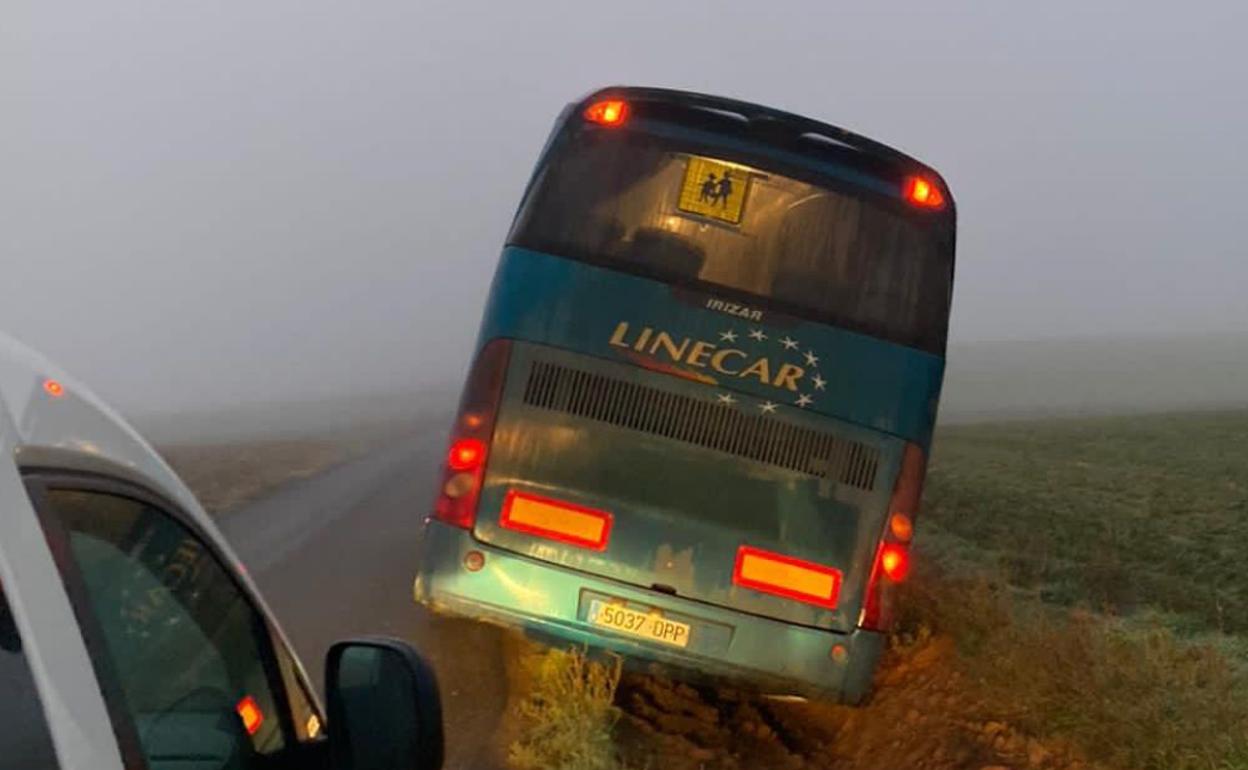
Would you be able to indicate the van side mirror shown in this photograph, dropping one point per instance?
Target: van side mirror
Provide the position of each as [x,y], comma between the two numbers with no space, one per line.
[385,712]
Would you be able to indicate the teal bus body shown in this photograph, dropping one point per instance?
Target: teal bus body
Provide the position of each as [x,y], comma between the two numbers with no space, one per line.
[698,424]
[552,301]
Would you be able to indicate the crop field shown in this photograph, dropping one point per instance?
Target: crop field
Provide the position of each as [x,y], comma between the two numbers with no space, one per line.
[1126,515]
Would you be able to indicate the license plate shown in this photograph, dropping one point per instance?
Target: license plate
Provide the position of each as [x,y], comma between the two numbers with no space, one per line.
[647,625]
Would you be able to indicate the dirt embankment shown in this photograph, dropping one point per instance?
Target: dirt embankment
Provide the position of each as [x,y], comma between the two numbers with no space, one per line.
[922,716]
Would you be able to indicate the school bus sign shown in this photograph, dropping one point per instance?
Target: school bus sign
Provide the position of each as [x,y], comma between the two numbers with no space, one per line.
[714,189]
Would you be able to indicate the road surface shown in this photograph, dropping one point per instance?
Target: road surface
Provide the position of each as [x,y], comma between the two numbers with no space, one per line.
[335,554]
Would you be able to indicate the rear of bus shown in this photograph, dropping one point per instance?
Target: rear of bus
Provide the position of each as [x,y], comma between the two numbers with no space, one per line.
[696,426]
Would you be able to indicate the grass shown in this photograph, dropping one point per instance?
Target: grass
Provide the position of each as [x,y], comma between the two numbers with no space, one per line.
[1128,695]
[226,476]
[1123,515]
[1106,607]
[568,714]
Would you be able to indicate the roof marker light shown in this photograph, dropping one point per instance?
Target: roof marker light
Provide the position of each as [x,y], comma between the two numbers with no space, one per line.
[53,388]
[923,193]
[608,112]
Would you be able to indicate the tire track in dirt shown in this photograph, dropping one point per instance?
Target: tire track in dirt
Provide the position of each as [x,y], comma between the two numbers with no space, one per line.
[924,714]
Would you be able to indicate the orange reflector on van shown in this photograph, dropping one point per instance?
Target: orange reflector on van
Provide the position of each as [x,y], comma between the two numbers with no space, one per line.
[251,714]
[787,576]
[557,520]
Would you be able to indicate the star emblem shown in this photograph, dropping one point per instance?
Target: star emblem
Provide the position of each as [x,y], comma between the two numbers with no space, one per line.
[726,398]
[789,343]
[728,336]
[757,334]
[804,400]
[811,358]
[819,382]
[767,407]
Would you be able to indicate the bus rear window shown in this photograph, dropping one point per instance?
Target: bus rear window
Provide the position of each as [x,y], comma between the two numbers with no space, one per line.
[640,204]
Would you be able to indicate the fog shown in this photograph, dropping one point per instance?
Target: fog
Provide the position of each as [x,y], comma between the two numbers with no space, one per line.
[227,205]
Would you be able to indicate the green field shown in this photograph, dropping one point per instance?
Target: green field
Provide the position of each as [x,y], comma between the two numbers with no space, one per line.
[1089,570]
[1123,515]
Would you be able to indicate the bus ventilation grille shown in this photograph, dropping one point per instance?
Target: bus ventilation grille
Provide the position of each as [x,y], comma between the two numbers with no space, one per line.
[704,423]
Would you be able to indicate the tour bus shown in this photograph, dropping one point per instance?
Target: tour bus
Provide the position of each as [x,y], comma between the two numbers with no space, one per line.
[698,418]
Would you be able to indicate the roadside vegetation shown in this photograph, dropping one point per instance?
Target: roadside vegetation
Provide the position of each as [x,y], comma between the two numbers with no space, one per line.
[1077,603]
[226,476]
[1088,571]
[568,713]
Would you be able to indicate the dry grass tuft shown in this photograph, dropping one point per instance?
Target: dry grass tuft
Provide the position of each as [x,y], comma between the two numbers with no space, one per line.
[568,715]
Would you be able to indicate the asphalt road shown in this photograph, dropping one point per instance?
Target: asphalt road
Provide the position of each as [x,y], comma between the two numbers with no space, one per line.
[335,554]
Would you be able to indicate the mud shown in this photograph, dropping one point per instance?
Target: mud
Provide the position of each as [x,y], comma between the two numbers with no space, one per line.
[924,714]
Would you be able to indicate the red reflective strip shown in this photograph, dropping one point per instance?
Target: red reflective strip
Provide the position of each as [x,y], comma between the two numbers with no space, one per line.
[556,520]
[787,576]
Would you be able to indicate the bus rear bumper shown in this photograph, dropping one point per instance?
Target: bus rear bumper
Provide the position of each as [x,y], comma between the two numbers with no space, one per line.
[551,603]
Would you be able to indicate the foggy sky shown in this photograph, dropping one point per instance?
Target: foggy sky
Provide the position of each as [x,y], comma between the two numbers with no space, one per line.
[206,203]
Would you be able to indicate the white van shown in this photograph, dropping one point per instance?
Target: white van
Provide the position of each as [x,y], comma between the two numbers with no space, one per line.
[130,635]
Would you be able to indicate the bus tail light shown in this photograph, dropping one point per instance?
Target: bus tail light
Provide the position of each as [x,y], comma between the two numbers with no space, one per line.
[465,454]
[469,449]
[892,556]
[608,112]
[786,576]
[923,192]
[556,520]
[894,562]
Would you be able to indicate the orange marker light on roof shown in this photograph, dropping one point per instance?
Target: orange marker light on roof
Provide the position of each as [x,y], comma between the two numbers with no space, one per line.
[53,388]
[923,193]
[608,112]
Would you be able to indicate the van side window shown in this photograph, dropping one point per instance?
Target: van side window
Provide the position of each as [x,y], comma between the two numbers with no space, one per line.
[188,651]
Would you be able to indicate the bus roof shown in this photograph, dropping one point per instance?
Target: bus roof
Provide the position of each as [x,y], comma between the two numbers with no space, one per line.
[764,125]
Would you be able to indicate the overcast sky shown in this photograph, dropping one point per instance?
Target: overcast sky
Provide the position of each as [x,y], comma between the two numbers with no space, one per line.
[209,202]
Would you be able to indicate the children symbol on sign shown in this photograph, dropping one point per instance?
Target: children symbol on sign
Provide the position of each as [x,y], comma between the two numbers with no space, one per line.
[724,189]
[709,189]
[716,191]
